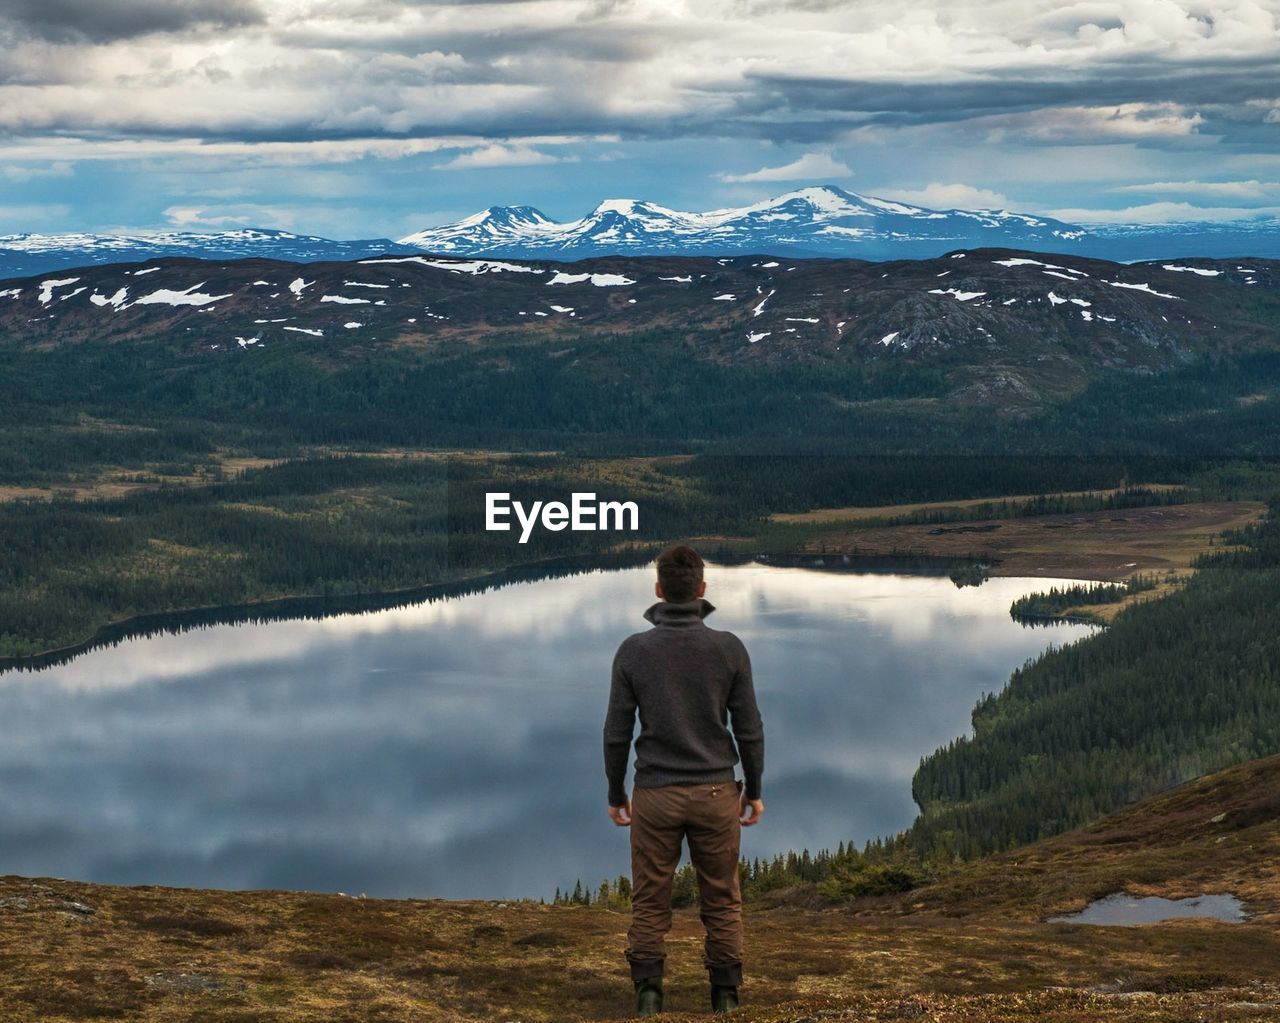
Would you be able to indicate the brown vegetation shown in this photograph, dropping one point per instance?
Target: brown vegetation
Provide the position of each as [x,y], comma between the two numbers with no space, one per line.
[970,947]
[1112,544]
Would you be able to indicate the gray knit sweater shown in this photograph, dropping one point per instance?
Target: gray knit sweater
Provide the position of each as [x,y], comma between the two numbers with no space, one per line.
[683,678]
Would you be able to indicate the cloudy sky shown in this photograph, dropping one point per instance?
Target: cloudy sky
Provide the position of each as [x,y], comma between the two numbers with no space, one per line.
[362,118]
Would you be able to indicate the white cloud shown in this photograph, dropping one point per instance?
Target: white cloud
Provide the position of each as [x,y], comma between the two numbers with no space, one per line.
[66,152]
[1163,213]
[497,154]
[219,218]
[945,197]
[810,167]
[1120,123]
[1252,189]
[264,154]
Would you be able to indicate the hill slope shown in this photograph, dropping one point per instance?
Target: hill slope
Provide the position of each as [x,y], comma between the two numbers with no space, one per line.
[979,350]
[1047,324]
[969,948]
[1174,688]
[1218,833]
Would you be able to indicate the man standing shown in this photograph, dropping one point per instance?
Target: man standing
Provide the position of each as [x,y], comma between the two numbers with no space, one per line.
[684,678]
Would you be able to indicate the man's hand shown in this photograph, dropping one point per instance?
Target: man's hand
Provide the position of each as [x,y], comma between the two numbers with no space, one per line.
[757,811]
[621,815]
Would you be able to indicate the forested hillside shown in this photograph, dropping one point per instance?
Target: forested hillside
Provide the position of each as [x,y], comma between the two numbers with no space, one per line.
[1173,689]
[995,351]
[178,531]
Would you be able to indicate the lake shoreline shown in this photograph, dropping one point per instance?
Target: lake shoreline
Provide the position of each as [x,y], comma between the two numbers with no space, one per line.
[296,606]
[1011,551]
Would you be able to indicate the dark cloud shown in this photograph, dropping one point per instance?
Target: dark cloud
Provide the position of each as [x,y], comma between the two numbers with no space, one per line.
[103,21]
[819,109]
[804,72]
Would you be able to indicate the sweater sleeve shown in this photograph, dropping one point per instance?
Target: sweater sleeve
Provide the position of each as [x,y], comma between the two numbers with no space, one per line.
[619,725]
[748,729]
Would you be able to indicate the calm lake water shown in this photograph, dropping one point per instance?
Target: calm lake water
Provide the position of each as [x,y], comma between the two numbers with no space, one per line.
[453,748]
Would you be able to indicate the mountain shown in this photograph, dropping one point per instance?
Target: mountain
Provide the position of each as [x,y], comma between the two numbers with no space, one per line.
[830,222]
[816,221]
[1229,239]
[1002,329]
[496,224]
[819,221]
[24,254]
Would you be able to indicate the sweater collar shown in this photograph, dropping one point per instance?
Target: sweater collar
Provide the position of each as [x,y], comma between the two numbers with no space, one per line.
[691,612]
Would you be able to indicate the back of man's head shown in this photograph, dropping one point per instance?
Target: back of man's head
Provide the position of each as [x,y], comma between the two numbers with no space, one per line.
[679,573]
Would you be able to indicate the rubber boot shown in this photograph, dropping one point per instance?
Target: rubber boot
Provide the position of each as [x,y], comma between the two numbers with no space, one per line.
[649,996]
[723,998]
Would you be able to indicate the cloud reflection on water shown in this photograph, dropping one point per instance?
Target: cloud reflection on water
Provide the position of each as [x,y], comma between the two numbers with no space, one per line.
[452,748]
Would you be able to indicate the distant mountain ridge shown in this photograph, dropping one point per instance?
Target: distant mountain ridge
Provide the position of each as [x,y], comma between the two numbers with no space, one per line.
[814,221]
[817,221]
[24,254]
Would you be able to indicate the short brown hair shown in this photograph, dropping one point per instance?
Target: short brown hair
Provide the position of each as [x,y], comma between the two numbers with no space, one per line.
[679,573]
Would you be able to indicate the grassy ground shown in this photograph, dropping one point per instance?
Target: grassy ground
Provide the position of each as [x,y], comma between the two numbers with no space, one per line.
[970,947]
[1112,544]
[891,511]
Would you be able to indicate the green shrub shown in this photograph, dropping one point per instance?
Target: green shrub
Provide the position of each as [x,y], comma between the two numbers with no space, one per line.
[864,879]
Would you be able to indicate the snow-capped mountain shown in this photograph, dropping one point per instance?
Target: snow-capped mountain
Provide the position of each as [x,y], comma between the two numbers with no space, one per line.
[815,221]
[23,254]
[496,223]
[819,221]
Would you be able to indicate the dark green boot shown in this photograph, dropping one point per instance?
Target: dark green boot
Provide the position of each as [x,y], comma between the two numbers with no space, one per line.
[723,998]
[649,996]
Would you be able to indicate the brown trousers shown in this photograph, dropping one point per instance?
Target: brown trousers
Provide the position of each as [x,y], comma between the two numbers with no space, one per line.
[707,815]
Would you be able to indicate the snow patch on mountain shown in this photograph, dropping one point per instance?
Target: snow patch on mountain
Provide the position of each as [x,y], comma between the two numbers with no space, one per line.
[47,288]
[599,280]
[1141,287]
[1192,270]
[115,301]
[960,296]
[760,306]
[474,266]
[189,296]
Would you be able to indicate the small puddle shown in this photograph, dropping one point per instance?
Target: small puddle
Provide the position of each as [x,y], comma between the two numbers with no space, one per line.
[1129,910]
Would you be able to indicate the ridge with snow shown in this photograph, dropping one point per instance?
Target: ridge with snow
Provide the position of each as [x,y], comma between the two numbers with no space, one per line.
[23,254]
[813,221]
[816,221]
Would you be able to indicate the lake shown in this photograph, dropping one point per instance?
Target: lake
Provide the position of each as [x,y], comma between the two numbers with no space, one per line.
[452,748]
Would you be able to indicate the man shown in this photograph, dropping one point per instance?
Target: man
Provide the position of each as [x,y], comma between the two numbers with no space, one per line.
[684,678]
